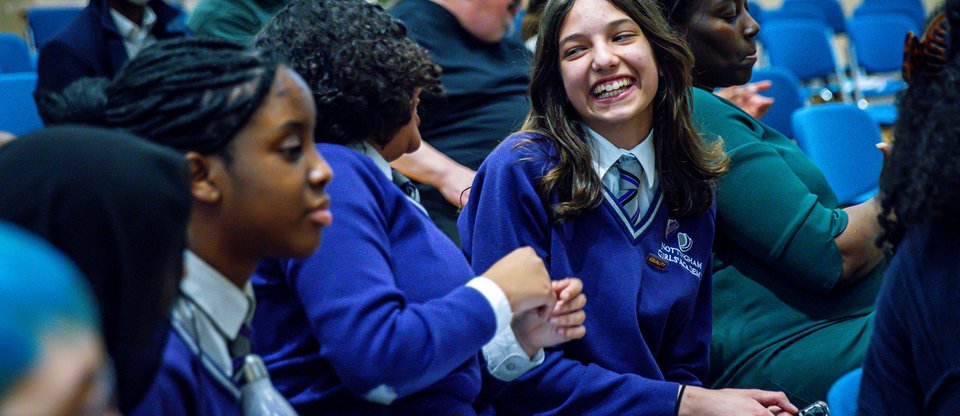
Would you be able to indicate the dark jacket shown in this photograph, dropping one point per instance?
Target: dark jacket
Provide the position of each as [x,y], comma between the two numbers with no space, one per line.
[91,46]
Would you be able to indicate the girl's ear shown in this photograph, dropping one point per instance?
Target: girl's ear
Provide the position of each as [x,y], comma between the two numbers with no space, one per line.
[202,186]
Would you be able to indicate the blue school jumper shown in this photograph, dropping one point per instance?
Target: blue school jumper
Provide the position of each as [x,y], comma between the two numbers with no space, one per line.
[187,384]
[648,290]
[379,314]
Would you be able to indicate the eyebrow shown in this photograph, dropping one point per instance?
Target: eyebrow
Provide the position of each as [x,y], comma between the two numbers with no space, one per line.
[291,125]
[580,35]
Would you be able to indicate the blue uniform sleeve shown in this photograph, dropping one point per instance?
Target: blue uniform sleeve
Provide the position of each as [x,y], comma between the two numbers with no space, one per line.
[380,344]
[505,212]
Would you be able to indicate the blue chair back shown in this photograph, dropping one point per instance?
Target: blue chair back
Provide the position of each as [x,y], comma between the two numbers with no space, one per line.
[842,397]
[46,22]
[841,139]
[787,94]
[18,111]
[795,11]
[913,10]
[800,45]
[878,39]
[831,10]
[14,54]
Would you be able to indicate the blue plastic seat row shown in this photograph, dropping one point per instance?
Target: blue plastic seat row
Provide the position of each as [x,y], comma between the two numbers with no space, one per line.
[18,111]
[14,54]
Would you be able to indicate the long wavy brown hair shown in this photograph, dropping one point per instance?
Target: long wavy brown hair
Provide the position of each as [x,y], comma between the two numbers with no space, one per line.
[687,165]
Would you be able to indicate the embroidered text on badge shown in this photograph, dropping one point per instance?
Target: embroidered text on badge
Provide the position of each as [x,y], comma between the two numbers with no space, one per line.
[656,262]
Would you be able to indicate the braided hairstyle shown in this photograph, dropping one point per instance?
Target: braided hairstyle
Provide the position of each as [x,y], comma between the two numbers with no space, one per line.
[358,62]
[190,94]
[921,182]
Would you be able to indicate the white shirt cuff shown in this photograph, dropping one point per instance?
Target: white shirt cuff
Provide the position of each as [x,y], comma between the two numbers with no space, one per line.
[497,299]
[506,359]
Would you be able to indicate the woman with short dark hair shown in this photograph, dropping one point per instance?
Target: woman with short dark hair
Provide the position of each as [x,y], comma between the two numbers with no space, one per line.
[796,275]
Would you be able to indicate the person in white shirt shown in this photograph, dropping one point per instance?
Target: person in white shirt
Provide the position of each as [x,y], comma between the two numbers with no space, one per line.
[102,38]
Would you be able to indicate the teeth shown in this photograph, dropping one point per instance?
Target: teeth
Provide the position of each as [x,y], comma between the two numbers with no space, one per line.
[611,88]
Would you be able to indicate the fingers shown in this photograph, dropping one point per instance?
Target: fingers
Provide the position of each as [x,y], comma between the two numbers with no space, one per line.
[570,334]
[571,319]
[759,86]
[564,307]
[773,398]
[568,288]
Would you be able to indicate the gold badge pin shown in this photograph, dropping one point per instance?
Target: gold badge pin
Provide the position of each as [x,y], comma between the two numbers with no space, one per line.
[656,262]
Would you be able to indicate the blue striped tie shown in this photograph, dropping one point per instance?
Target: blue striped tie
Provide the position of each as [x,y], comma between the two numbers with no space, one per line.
[628,168]
[406,185]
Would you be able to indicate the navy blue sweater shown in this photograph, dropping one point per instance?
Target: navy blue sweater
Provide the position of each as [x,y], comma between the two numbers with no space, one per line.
[381,303]
[912,365]
[648,319]
[185,386]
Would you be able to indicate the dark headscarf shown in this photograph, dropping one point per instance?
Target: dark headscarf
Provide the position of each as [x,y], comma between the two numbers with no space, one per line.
[118,207]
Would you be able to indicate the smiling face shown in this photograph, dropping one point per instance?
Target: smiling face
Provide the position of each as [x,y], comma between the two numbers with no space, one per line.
[608,67]
[722,36]
[272,201]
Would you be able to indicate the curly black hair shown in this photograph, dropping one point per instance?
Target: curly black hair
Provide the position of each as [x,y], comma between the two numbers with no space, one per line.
[921,182]
[358,62]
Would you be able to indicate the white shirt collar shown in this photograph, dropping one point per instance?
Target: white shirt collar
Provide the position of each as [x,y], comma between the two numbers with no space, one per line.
[226,305]
[378,159]
[606,154]
[135,36]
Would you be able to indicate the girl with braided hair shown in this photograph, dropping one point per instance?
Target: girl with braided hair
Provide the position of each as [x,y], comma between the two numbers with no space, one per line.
[245,124]
[911,366]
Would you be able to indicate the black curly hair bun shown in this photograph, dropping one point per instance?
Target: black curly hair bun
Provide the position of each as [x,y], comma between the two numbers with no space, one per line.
[82,102]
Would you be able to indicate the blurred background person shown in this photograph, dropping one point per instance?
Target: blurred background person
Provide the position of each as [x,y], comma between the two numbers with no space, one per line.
[485,77]
[52,358]
[234,20]
[117,206]
[103,37]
